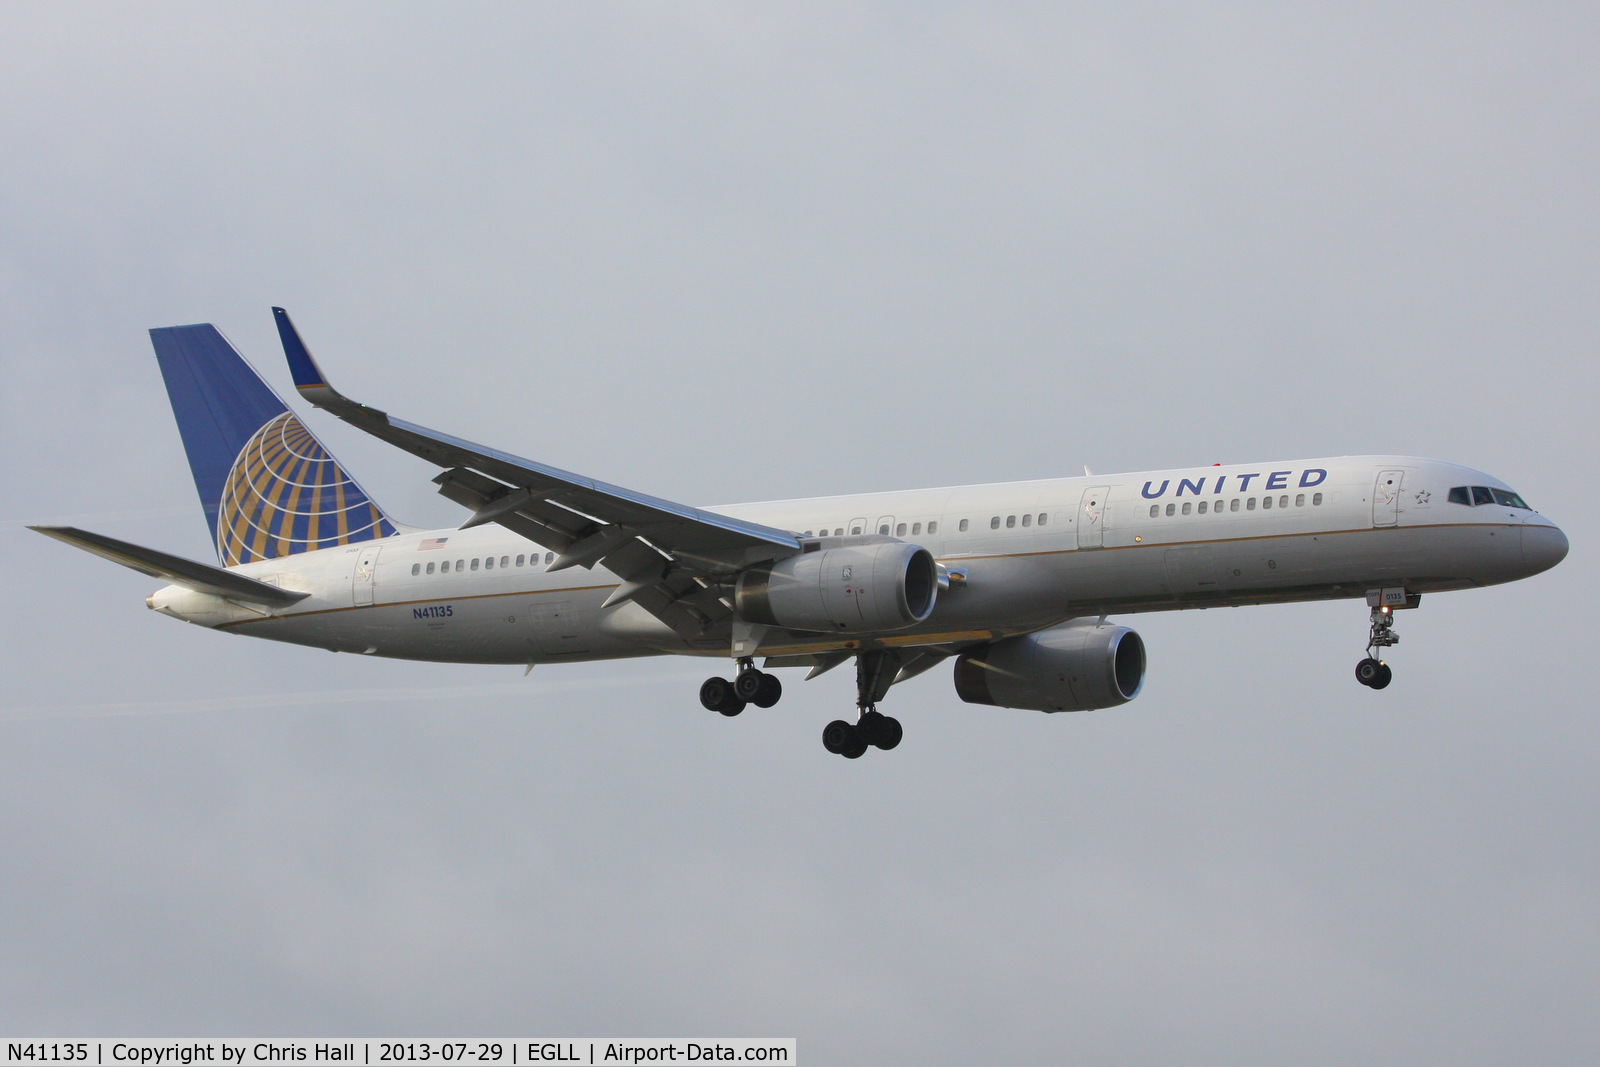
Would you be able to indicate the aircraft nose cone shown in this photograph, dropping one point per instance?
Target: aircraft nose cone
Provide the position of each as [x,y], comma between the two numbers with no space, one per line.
[1543,547]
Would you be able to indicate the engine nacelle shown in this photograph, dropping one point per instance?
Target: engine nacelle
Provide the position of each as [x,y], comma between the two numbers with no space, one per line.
[1077,667]
[857,589]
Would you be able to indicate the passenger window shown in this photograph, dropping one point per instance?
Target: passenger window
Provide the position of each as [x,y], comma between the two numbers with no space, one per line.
[1235,505]
[916,528]
[549,558]
[963,527]
[488,564]
[416,568]
[1217,507]
[994,523]
[474,564]
[1155,509]
[1316,500]
[430,568]
[1299,500]
[1172,509]
[933,527]
[1481,495]
[461,565]
[1011,522]
[838,531]
[900,531]
[1027,520]
[505,560]
[1250,504]
[1459,495]
[520,560]
[1186,507]
[884,530]
[1202,508]
[855,530]
[1266,502]
[1044,517]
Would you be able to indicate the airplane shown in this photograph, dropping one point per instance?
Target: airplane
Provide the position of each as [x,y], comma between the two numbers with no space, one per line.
[1014,582]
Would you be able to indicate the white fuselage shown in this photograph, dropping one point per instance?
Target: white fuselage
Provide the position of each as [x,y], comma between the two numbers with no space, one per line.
[1024,556]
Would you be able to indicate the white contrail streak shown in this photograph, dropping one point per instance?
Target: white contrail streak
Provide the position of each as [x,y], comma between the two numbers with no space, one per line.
[313,698]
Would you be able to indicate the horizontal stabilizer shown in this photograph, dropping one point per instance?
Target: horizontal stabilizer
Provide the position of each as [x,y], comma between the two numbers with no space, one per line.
[175,569]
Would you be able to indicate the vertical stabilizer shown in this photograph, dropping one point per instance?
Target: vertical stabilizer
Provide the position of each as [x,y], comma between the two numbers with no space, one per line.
[268,486]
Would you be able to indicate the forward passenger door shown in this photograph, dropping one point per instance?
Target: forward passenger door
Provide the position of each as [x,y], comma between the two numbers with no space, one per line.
[1386,498]
[1092,516]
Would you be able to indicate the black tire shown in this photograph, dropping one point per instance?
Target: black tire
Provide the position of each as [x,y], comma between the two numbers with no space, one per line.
[1368,671]
[747,686]
[871,726]
[714,693]
[770,693]
[889,733]
[1385,676]
[837,736]
[858,746]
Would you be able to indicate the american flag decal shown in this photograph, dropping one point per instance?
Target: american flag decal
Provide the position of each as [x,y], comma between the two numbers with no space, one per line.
[432,542]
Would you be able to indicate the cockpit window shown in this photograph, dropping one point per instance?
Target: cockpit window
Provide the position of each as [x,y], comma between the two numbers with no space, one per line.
[1461,495]
[1481,495]
[1508,499]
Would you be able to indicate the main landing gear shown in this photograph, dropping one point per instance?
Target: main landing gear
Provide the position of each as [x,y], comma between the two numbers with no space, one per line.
[875,672]
[749,686]
[1372,672]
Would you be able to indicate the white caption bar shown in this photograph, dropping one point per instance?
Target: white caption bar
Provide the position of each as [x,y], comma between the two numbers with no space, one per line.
[503,1052]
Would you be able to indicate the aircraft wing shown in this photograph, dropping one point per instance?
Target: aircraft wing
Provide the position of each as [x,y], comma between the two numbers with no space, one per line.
[175,569]
[672,557]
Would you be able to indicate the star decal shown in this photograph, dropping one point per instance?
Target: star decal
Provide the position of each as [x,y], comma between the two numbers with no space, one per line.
[1424,496]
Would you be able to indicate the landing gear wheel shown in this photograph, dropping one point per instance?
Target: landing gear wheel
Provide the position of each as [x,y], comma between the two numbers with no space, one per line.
[1385,676]
[769,693]
[747,686]
[889,733]
[1368,671]
[870,725]
[838,736]
[717,694]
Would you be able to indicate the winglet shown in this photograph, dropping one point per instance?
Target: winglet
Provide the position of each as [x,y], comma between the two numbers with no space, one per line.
[310,382]
[304,369]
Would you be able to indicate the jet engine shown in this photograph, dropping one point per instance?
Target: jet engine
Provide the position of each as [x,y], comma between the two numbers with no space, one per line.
[855,589]
[1077,667]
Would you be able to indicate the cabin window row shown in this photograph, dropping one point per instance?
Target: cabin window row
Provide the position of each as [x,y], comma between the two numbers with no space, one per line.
[1011,521]
[1233,505]
[900,530]
[487,563]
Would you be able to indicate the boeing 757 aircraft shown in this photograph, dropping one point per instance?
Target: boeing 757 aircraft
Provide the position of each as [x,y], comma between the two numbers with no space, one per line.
[1012,581]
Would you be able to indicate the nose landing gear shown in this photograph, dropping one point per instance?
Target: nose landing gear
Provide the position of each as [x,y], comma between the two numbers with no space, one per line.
[1372,672]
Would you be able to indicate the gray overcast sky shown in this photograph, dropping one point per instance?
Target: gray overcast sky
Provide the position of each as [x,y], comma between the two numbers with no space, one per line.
[728,253]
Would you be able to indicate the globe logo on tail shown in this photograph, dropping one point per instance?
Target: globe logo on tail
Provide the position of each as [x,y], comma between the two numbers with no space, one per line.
[286,494]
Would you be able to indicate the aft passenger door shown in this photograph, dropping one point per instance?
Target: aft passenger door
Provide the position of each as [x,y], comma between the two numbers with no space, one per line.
[365,577]
[1386,498]
[1092,517]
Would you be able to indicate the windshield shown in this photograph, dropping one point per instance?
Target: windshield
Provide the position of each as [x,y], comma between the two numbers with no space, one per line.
[1509,499]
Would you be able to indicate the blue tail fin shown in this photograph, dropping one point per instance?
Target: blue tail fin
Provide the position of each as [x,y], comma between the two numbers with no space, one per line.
[268,486]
